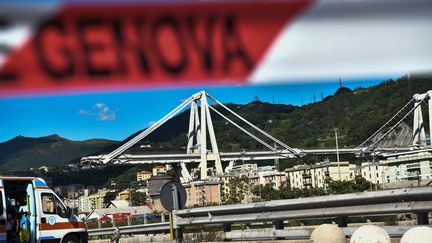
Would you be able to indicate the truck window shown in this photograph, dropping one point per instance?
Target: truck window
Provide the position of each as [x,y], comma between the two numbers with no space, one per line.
[48,206]
[61,209]
[52,205]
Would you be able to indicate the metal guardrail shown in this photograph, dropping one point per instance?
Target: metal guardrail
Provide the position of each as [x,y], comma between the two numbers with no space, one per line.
[132,229]
[342,200]
[316,213]
[386,202]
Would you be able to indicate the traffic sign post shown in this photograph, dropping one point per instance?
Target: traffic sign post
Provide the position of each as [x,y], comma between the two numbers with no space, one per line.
[173,197]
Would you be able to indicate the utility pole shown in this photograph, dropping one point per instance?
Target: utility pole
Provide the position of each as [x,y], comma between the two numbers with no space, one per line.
[276,161]
[337,154]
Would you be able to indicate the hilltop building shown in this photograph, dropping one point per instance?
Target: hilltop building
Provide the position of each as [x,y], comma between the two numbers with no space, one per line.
[144,175]
[123,195]
[159,170]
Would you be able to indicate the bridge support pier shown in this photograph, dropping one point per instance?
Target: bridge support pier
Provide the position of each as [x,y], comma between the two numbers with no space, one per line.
[178,172]
[423,218]
[342,221]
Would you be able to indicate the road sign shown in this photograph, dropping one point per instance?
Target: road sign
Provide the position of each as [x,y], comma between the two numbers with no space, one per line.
[173,196]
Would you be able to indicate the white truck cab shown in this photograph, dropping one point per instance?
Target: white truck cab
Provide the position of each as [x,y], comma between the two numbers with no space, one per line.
[31,212]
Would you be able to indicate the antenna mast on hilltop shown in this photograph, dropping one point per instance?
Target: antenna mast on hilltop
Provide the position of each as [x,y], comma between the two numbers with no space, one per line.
[340,82]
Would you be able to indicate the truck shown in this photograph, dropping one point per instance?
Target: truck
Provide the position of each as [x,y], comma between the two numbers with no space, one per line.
[32,212]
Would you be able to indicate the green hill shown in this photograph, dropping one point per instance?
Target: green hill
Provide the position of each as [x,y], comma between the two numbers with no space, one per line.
[23,152]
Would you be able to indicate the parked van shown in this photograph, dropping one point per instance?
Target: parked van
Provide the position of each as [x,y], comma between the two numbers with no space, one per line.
[31,212]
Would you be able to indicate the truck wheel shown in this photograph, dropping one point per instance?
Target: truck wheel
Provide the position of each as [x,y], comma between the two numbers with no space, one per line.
[71,239]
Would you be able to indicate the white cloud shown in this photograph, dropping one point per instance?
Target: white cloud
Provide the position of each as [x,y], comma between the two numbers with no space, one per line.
[101,111]
[83,112]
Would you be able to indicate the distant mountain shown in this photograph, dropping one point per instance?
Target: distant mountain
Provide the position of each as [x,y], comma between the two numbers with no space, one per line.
[25,152]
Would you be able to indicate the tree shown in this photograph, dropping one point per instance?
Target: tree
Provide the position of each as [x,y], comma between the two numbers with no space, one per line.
[138,198]
[238,187]
[341,187]
[171,172]
[266,192]
[361,184]
[285,192]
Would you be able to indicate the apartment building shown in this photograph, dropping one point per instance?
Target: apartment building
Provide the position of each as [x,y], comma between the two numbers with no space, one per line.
[97,200]
[374,172]
[411,165]
[201,193]
[274,178]
[72,203]
[315,176]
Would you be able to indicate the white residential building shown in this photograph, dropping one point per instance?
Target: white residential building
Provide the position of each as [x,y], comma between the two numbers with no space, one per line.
[72,203]
[374,172]
[412,165]
[87,203]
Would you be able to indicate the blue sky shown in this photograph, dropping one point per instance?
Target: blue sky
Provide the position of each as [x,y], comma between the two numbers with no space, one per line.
[116,115]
